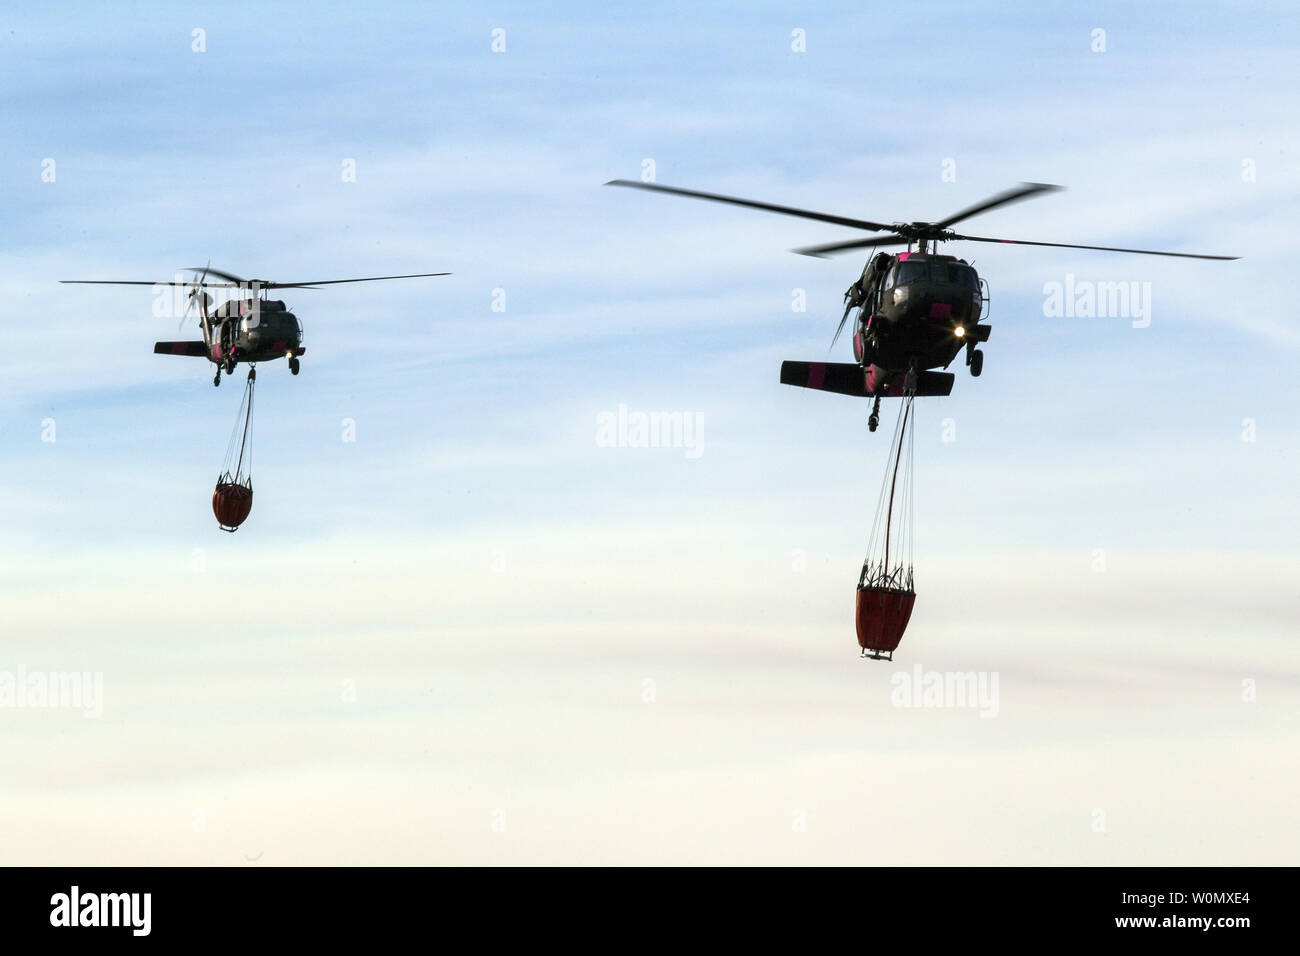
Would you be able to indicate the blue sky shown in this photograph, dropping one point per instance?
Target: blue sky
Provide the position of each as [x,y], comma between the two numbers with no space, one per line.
[496,585]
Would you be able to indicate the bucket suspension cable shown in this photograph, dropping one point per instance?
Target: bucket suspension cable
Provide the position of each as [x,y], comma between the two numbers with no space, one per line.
[233,497]
[889,552]
[239,450]
[886,593]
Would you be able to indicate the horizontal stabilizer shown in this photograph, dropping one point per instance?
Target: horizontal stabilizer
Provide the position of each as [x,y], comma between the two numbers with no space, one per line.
[196,349]
[842,377]
[851,379]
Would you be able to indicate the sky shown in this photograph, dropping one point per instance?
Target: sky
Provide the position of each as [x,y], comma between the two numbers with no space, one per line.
[476,633]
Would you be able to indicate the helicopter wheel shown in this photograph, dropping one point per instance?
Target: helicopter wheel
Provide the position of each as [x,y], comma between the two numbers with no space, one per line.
[230,366]
[976,363]
[293,365]
[873,422]
[216,379]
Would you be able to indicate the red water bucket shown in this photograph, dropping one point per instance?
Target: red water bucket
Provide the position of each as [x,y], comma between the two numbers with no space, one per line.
[882,615]
[231,503]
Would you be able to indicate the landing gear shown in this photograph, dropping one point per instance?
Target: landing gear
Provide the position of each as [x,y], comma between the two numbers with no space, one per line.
[293,365]
[216,379]
[976,363]
[230,365]
[874,421]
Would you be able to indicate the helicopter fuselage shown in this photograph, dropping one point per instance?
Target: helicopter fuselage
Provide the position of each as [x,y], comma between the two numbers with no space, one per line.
[253,330]
[242,330]
[916,311]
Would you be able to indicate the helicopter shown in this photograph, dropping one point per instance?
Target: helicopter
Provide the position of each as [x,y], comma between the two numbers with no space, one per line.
[917,310]
[247,328]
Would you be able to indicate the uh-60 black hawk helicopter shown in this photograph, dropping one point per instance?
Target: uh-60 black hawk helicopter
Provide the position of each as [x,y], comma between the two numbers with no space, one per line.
[917,310]
[247,328]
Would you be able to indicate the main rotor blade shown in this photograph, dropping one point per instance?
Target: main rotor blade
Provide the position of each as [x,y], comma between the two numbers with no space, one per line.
[751,204]
[1071,245]
[191,283]
[225,275]
[306,285]
[821,252]
[1015,194]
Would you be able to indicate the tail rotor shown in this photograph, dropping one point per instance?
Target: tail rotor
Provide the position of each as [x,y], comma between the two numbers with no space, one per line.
[194,295]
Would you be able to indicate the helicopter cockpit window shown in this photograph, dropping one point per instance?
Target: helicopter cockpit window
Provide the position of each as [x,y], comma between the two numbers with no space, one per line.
[892,278]
[961,275]
[912,272]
